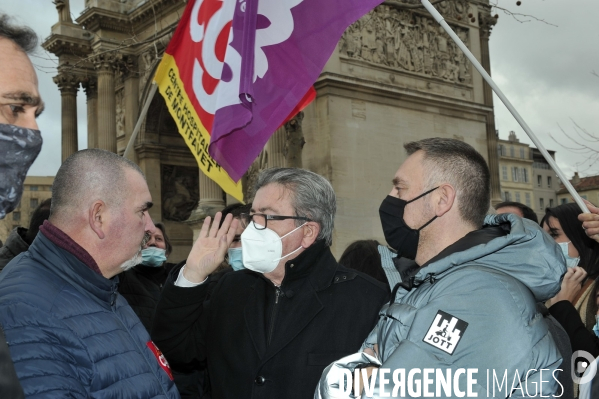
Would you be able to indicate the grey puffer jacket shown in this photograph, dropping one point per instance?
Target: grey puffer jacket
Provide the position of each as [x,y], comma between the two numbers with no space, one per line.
[472,307]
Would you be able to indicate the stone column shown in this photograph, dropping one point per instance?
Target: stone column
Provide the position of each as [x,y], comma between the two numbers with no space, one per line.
[486,24]
[127,67]
[106,102]
[211,201]
[295,141]
[68,85]
[211,195]
[149,162]
[276,148]
[90,85]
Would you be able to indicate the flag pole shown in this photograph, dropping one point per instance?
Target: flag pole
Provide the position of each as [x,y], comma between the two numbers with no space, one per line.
[439,18]
[141,118]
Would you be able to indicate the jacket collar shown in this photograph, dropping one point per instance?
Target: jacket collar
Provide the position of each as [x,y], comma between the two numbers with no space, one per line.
[317,262]
[62,240]
[67,266]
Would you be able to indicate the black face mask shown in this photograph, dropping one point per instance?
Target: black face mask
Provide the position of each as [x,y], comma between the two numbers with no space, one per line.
[19,147]
[398,234]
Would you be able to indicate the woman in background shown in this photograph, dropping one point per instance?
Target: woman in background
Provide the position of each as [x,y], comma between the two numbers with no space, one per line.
[575,306]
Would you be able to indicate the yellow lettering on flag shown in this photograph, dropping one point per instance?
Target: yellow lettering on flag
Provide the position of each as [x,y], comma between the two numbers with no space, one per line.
[190,126]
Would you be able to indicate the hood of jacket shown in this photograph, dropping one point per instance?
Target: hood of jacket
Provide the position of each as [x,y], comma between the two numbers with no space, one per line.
[525,252]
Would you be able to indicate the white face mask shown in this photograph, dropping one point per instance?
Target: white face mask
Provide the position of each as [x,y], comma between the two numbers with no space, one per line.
[263,249]
[570,262]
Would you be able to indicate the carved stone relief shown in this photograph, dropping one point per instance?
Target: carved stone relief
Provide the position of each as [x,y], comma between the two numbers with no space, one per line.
[146,64]
[454,9]
[404,40]
[180,194]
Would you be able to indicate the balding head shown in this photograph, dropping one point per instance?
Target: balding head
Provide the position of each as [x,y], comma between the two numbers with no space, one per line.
[86,176]
[101,201]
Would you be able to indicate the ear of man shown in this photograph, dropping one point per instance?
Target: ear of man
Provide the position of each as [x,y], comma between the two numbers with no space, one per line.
[311,231]
[443,199]
[98,217]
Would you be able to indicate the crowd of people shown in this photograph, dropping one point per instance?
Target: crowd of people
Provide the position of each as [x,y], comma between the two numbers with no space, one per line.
[90,306]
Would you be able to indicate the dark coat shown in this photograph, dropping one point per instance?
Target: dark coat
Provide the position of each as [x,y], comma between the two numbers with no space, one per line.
[263,342]
[14,245]
[560,336]
[70,333]
[9,383]
[141,287]
[580,337]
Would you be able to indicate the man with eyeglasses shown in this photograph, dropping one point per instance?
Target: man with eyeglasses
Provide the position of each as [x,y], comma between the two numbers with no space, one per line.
[268,331]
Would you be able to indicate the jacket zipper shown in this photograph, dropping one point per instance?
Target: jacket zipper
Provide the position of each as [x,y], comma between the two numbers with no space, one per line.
[273,315]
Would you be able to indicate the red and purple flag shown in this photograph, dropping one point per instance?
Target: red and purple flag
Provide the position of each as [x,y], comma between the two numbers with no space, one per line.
[247,65]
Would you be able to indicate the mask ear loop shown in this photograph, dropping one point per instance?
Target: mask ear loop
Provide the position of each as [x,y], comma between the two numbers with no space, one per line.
[422,195]
[298,227]
[427,223]
[290,253]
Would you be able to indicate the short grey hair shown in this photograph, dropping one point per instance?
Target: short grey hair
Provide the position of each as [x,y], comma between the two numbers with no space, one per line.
[459,164]
[88,175]
[312,196]
[23,36]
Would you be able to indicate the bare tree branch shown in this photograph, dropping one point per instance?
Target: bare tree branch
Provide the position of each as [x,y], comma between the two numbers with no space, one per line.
[522,18]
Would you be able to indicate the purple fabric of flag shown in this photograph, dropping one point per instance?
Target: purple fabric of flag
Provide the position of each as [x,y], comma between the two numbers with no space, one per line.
[294,62]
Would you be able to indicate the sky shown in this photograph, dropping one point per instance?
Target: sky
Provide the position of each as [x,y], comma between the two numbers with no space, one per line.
[544,69]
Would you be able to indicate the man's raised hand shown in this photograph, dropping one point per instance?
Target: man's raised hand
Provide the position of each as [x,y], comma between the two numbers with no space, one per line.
[209,250]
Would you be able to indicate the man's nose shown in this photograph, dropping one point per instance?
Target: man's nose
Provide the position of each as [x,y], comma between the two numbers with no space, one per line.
[150,228]
[29,121]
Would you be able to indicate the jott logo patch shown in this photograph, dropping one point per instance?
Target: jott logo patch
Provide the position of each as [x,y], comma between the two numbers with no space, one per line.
[445,332]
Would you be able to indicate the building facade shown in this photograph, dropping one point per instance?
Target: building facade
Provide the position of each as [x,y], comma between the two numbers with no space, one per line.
[394,77]
[36,189]
[587,187]
[515,168]
[545,183]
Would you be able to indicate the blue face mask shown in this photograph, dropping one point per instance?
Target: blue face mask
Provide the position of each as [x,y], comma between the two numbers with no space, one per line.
[236,258]
[153,256]
[570,261]
[596,327]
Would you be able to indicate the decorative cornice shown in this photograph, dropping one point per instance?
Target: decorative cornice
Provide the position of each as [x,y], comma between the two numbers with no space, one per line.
[456,10]
[60,45]
[148,150]
[331,83]
[149,10]
[94,19]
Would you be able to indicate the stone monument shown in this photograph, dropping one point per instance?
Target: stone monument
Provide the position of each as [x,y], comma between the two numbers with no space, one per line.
[394,77]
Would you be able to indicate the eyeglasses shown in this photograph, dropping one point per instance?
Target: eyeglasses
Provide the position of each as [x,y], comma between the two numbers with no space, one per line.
[261,220]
